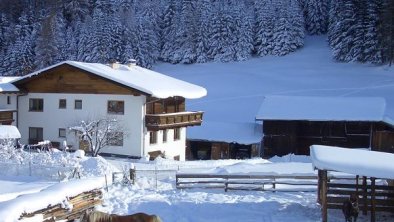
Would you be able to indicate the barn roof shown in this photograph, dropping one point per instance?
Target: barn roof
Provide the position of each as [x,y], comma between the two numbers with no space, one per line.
[309,108]
[136,77]
[354,161]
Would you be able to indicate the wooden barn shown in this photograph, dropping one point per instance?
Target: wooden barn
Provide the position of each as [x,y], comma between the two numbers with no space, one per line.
[219,140]
[291,124]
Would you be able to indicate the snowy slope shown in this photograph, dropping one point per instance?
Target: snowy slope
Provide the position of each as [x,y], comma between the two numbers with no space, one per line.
[236,90]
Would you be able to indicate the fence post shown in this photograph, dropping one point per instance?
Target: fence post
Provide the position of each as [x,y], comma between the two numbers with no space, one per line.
[324,194]
[365,195]
[373,203]
[132,174]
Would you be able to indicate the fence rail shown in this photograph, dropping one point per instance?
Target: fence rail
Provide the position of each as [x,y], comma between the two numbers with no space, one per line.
[247,182]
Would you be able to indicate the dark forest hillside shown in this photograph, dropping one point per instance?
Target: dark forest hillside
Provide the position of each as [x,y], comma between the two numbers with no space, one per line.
[38,33]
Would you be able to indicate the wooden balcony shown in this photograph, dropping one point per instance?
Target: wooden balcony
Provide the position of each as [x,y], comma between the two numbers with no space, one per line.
[6,117]
[156,122]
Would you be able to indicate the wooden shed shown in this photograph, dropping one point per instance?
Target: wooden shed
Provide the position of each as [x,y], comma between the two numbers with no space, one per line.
[291,124]
[372,183]
[224,140]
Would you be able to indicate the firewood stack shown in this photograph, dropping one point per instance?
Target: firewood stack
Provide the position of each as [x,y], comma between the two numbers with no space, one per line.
[71,209]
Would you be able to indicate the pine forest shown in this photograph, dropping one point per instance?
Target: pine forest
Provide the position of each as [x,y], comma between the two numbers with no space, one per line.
[39,33]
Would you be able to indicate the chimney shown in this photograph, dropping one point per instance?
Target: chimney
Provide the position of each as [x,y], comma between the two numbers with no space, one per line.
[114,64]
[131,63]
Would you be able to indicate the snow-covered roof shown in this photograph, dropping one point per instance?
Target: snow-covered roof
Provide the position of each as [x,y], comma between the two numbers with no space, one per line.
[354,161]
[9,132]
[6,86]
[136,77]
[314,108]
[243,133]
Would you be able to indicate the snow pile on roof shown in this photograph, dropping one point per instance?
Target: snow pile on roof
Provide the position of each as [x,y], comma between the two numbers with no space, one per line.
[354,161]
[316,108]
[243,133]
[58,193]
[144,80]
[9,132]
[6,86]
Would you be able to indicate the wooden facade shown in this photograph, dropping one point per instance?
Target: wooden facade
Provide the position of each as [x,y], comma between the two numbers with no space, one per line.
[214,150]
[69,79]
[284,137]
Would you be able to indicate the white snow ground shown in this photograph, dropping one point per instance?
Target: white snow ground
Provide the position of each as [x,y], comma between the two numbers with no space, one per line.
[235,93]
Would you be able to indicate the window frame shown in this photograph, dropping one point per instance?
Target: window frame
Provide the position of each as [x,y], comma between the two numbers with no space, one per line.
[165,136]
[177,134]
[33,103]
[118,142]
[37,138]
[60,103]
[76,102]
[152,137]
[60,134]
[115,107]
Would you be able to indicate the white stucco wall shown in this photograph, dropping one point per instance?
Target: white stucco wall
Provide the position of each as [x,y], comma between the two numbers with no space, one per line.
[172,147]
[93,105]
[12,106]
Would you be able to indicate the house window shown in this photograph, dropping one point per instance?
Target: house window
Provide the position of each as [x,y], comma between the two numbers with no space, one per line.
[36,105]
[153,137]
[62,103]
[78,104]
[115,138]
[8,100]
[35,135]
[164,136]
[62,132]
[115,107]
[177,134]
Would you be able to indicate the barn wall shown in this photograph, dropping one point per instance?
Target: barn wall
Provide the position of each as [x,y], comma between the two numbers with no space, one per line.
[284,137]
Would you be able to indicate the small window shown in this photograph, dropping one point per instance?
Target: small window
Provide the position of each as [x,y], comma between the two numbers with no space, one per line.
[164,136]
[62,103]
[177,134]
[78,104]
[35,135]
[62,132]
[8,100]
[115,107]
[153,137]
[115,139]
[36,105]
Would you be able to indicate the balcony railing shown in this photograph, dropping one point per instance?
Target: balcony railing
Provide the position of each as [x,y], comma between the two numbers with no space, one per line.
[173,120]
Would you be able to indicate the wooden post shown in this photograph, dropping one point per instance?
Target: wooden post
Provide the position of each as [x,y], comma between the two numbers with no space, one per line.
[324,195]
[365,196]
[319,194]
[373,218]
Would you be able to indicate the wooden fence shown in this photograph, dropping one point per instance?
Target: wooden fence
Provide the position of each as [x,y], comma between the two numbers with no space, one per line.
[247,182]
[79,203]
[372,197]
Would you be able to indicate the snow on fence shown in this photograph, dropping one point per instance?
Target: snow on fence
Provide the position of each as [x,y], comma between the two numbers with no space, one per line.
[248,182]
[45,171]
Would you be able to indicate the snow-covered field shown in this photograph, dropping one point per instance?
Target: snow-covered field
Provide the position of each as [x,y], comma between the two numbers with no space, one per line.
[235,93]
[161,196]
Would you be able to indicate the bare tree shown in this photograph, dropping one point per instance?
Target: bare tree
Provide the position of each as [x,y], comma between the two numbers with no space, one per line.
[100,133]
